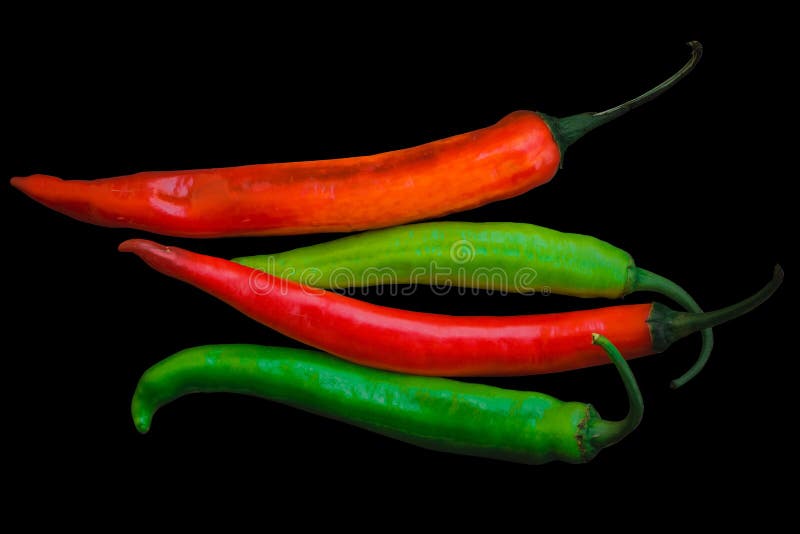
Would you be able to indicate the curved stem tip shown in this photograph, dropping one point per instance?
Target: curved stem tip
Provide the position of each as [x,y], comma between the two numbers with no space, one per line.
[607,433]
[567,130]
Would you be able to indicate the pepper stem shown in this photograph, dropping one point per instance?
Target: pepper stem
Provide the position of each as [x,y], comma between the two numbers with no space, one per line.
[567,130]
[649,281]
[668,326]
[692,322]
[605,433]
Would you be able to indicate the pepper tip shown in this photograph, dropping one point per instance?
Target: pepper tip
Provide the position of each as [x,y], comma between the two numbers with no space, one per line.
[142,423]
[34,184]
[128,246]
[137,245]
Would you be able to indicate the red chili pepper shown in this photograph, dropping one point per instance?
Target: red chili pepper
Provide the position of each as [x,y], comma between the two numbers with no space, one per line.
[522,151]
[431,344]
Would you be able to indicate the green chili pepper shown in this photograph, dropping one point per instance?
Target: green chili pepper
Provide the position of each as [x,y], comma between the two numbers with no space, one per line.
[506,257]
[434,413]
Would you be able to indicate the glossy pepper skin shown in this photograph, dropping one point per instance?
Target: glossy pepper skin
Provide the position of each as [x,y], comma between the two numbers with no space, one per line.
[506,257]
[426,343]
[501,256]
[434,413]
[522,151]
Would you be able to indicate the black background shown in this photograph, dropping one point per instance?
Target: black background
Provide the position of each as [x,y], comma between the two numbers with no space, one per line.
[693,185]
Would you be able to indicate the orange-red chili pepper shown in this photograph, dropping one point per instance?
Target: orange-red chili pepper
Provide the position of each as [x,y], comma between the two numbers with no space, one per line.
[522,151]
[431,344]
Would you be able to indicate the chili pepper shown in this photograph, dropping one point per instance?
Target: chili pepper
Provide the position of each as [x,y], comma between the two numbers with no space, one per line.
[522,151]
[501,256]
[434,413]
[512,257]
[431,344]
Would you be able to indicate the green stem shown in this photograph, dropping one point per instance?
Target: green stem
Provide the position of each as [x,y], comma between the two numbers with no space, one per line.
[686,323]
[645,280]
[668,326]
[649,281]
[605,433]
[567,130]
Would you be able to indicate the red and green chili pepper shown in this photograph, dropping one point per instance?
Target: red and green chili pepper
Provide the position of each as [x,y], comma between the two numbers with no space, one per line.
[511,257]
[434,413]
[430,344]
[522,151]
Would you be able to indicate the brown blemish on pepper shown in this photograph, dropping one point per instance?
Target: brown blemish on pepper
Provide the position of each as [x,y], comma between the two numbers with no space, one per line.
[580,435]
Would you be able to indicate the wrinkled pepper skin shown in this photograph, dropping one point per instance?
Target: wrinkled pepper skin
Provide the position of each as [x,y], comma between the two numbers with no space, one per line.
[434,413]
[342,195]
[521,151]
